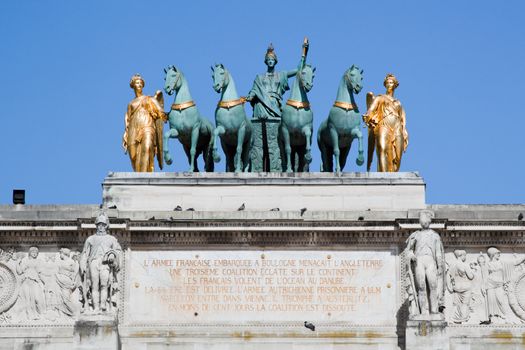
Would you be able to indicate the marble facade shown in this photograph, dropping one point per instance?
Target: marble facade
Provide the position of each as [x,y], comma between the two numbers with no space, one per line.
[220,278]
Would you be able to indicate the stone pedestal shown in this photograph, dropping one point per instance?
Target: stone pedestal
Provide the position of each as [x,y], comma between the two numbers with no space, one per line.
[266,151]
[429,334]
[264,191]
[96,333]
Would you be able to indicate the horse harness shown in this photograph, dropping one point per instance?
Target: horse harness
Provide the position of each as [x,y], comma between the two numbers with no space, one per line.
[298,104]
[231,103]
[344,105]
[182,106]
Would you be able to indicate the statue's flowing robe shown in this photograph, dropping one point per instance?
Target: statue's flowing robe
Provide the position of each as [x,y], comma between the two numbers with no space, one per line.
[31,288]
[144,121]
[269,95]
[460,278]
[499,274]
[66,278]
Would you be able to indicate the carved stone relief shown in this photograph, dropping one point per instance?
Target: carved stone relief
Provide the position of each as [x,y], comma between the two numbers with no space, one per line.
[55,287]
[8,284]
[486,288]
[38,287]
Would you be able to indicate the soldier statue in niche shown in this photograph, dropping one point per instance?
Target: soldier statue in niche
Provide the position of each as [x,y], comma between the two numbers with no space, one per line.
[99,265]
[426,261]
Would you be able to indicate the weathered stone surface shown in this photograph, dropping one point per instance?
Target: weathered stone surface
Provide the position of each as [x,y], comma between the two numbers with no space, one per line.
[96,332]
[162,236]
[268,287]
[264,191]
[427,334]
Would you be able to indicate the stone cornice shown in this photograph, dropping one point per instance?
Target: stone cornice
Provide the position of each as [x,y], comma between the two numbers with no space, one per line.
[246,233]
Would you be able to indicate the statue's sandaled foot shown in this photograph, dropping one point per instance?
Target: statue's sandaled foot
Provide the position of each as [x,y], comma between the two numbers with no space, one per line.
[289,170]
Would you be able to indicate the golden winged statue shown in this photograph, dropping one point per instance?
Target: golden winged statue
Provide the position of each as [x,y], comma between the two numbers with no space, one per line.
[145,119]
[387,132]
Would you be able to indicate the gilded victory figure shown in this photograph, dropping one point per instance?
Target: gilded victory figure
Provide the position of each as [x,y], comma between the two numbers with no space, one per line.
[144,120]
[266,98]
[387,131]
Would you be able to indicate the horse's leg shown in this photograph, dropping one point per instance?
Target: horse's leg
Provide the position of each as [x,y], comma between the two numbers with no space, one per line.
[219,131]
[287,148]
[170,134]
[344,155]
[246,150]
[307,131]
[356,132]
[241,133]
[229,151]
[193,148]
[322,149]
[302,164]
[335,142]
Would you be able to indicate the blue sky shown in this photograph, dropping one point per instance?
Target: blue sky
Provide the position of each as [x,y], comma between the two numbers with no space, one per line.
[66,67]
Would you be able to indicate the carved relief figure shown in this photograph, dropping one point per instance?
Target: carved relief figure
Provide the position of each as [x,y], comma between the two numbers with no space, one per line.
[100,263]
[459,283]
[51,290]
[144,125]
[67,281]
[426,271]
[499,274]
[266,98]
[387,131]
[32,286]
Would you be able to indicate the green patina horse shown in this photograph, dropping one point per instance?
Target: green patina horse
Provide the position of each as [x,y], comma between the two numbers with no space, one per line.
[336,133]
[296,126]
[186,123]
[233,127]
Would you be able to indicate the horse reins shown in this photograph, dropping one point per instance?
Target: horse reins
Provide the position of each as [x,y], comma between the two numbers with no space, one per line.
[181,106]
[345,105]
[299,104]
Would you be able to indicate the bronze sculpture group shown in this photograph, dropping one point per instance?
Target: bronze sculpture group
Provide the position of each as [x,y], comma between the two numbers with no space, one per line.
[278,137]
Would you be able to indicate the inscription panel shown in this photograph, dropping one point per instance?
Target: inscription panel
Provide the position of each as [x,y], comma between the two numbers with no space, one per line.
[262,286]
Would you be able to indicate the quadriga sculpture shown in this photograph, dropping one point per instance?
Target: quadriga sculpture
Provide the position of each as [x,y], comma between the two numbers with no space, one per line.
[186,123]
[297,123]
[232,125]
[336,133]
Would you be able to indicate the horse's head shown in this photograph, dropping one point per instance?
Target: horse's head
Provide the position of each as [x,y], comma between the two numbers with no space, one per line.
[220,77]
[306,77]
[173,79]
[354,79]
